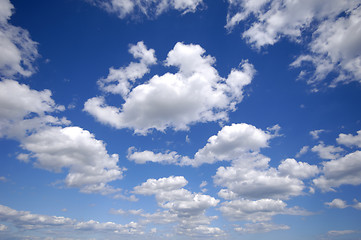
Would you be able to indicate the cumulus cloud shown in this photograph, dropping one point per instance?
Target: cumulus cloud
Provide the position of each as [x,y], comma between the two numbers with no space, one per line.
[196,93]
[337,203]
[25,116]
[297,169]
[257,211]
[316,133]
[230,143]
[327,152]
[350,140]
[18,51]
[183,207]
[261,227]
[334,26]
[302,151]
[25,220]
[341,171]
[150,9]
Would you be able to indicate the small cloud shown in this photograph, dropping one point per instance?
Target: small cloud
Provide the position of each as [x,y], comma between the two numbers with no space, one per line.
[3,179]
[64,210]
[187,139]
[3,227]
[337,203]
[340,232]
[303,150]
[315,133]
[23,157]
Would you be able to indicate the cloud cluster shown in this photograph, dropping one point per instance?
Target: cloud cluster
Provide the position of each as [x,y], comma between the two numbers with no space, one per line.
[196,93]
[25,116]
[17,49]
[148,8]
[24,220]
[334,26]
[183,207]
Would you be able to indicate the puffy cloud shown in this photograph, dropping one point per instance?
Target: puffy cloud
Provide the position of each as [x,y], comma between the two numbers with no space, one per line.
[357,204]
[119,80]
[334,26]
[230,143]
[297,169]
[25,116]
[90,166]
[152,8]
[327,152]
[345,170]
[302,151]
[261,227]
[183,207]
[29,221]
[350,140]
[316,133]
[196,93]
[337,203]
[17,49]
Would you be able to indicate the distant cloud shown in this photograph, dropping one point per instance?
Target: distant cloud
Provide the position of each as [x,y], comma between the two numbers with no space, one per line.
[340,232]
[333,47]
[337,203]
[18,51]
[150,9]
[196,93]
[261,227]
[316,133]
[302,151]
[350,140]
[327,152]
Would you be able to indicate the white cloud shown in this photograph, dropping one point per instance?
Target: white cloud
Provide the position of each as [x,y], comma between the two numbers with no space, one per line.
[357,204]
[183,207]
[3,179]
[29,221]
[261,227]
[119,80]
[334,25]
[90,166]
[230,143]
[337,203]
[196,93]
[327,152]
[24,116]
[350,140]
[345,170]
[316,133]
[340,232]
[3,227]
[297,169]
[17,49]
[302,151]
[150,9]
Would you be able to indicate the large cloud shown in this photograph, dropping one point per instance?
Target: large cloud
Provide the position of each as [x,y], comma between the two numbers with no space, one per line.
[196,93]
[335,27]
[149,8]
[25,116]
[17,49]
[186,208]
[350,140]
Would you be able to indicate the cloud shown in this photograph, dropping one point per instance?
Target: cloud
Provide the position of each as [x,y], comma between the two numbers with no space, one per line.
[257,211]
[327,152]
[183,207]
[334,26]
[230,143]
[345,170]
[196,93]
[316,133]
[150,9]
[261,227]
[296,169]
[25,117]
[350,140]
[302,151]
[25,221]
[337,203]
[340,232]
[18,51]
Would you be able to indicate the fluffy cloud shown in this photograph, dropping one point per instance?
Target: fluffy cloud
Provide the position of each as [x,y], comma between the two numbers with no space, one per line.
[345,170]
[316,133]
[335,32]
[297,169]
[257,211]
[350,140]
[29,221]
[230,143]
[261,227]
[152,8]
[186,208]
[90,166]
[327,152]
[337,203]
[17,49]
[25,116]
[196,93]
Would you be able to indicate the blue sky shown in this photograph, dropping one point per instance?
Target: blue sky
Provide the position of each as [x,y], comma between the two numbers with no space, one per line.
[180,119]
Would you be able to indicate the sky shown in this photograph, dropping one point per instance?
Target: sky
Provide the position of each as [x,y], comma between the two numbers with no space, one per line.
[180,119]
